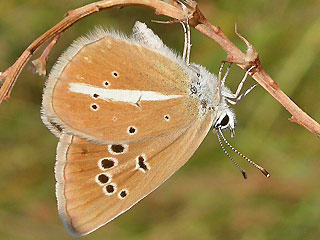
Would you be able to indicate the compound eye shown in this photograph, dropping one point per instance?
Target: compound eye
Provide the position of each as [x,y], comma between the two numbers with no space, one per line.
[225,121]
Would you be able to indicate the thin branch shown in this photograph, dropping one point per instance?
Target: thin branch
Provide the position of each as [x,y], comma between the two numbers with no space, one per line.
[252,58]
[197,20]
[41,62]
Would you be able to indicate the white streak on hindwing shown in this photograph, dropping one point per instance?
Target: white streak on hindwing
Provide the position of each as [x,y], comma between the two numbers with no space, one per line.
[119,95]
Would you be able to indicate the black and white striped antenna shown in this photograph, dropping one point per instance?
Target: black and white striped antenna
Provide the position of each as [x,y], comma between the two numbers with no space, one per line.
[264,171]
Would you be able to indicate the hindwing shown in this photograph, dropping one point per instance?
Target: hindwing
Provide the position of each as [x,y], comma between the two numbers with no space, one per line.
[96,183]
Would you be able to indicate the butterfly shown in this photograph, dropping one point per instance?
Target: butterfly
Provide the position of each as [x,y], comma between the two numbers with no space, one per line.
[128,112]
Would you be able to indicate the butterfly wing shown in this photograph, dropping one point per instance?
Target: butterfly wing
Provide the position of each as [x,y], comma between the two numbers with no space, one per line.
[94,185]
[52,126]
[105,88]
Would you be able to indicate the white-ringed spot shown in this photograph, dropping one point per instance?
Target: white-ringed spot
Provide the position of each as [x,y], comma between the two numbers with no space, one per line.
[107,163]
[110,189]
[103,178]
[115,74]
[114,119]
[166,118]
[123,194]
[94,107]
[132,130]
[106,84]
[141,163]
[117,149]
[95,96]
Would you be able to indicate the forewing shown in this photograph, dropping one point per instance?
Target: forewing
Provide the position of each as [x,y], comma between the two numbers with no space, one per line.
[91,191]
[102,89]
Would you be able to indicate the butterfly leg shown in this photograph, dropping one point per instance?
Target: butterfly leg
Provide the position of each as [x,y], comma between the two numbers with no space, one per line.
[236,95]
[226,74]
[187,37]
[242,95]
[220,72]
[187,41]
[221,80]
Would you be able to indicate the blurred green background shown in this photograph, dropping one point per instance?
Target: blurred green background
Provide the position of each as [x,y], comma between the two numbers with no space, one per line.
[207,198]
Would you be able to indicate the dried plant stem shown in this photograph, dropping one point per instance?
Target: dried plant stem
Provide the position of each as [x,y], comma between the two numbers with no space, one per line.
[197,20]
[246,60]
[41,62]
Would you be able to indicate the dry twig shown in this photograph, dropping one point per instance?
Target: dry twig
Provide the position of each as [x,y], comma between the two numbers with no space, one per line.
[41,62]
[173,10]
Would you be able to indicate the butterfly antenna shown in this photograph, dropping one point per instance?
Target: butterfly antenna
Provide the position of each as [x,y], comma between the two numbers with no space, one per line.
[265,172]
[244,174]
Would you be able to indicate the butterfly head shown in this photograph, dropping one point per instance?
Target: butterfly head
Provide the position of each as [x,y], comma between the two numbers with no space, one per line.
[225,120]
